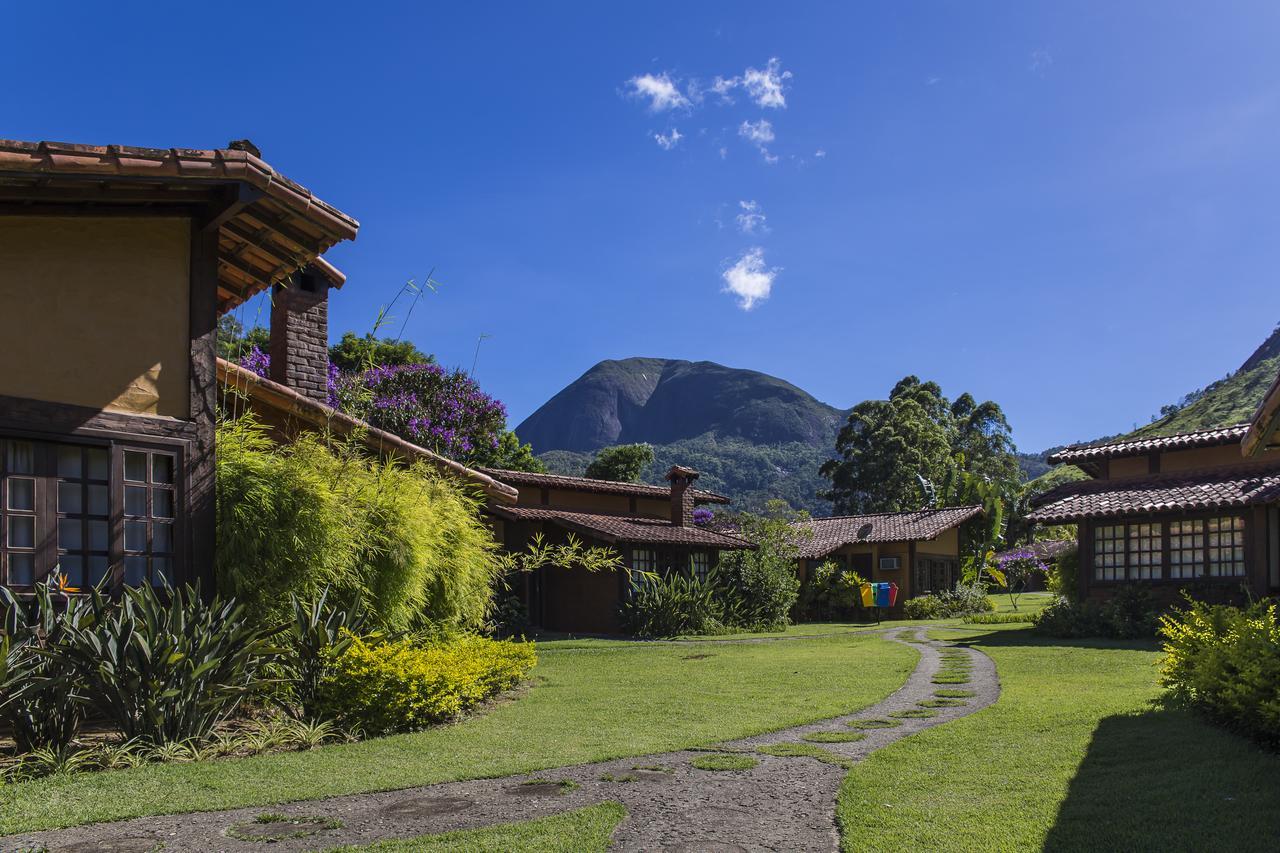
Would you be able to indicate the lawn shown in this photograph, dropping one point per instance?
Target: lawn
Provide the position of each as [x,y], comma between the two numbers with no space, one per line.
[585,704]
[1073,756]
[580,831]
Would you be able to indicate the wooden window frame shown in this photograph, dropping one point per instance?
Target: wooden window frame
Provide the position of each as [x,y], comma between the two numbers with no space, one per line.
[49,514]
[1166,577]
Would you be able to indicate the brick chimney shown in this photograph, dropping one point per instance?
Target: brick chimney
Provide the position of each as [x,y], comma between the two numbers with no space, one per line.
[682,495]
[300,330]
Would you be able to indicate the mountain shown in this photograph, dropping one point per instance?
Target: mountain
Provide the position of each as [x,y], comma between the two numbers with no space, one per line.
[751,435]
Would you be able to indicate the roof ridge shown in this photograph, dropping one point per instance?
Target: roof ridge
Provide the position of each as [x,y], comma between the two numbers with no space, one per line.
[883,514]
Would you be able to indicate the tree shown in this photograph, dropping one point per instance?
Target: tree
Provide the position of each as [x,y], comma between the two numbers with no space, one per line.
[622,463]
[356,353]
[234,342]
[892,455]
[760,585]
[511,455]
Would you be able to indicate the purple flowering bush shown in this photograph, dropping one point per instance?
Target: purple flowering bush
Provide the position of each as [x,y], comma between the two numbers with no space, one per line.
[1018,567]
[257,361]
[441,410]
[702,515]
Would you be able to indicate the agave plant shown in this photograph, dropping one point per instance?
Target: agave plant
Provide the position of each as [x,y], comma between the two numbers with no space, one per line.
[316,627]
[41,703]
[165,669]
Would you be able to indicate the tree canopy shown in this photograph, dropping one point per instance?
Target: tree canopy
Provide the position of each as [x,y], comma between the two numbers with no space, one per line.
[356,352]
[623,462]
[895,455]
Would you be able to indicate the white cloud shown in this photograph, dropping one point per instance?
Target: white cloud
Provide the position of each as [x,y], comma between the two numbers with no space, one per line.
[765,86]
[722,86]
[933,81]
[760,134]
[724,152]
[1040,61]
[748,279]
[670,140]
[820,153]
[660,89]
[752,219]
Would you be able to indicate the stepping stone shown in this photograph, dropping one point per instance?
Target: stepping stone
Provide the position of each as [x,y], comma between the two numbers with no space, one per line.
[126,844]
[416,807]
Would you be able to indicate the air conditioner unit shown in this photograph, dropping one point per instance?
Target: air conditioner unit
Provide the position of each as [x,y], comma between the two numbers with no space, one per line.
[890,564]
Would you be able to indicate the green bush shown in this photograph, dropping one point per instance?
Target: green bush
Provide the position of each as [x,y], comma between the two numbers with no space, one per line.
[37,695]
[1226,661]
[760,586]
[296,519]
[1063,577]
[672,605]
[964,600]
[404,685]
[830,592]
[1131,613]
[163,668]
[921,607]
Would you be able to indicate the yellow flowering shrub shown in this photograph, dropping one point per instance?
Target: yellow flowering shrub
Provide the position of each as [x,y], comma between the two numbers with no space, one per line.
[405,685]
[1226,661]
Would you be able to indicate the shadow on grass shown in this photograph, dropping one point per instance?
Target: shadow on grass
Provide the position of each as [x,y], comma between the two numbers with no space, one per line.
[1164,780]
[1022,635]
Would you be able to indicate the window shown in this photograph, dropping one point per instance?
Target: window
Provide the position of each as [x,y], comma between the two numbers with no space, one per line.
[98,513]
[642,560]
[1226,546]
[1146,552]
[1186,549]
[1109,552]
[20,494]
[700,565]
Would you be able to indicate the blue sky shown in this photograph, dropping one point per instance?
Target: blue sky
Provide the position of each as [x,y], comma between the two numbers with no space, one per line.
[1067,208]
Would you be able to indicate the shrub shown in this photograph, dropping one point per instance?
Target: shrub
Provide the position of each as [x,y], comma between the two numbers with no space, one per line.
[761,585]
[830,592]
[164,669]
[1130,614]
[921,607]
[317,632]
[299,518]
[671,605]
[1225,661]
[401,685]
[964,600]
[39,699]
[1063,575]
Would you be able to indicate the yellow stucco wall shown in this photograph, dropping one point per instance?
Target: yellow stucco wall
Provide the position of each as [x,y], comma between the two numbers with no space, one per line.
[95,311]
[1129,466]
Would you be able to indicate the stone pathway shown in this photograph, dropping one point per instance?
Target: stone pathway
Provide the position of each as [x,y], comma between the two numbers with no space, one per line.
[782,803]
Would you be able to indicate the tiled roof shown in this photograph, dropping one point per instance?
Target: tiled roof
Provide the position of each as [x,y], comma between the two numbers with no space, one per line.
[240,383]
[586,484]
[629,529]
[1188,491]
[830,534]
[268,226]
[1141,446]
[1265,426]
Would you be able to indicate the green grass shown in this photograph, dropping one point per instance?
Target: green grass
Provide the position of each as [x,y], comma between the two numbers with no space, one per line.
[1073,756]
[872,724]
[833,737]
[955,694]
[584,705]
[580,831]
[805,750]
[913,714]
[722,761]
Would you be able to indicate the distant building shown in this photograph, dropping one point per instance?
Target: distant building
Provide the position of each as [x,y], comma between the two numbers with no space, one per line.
[651,527]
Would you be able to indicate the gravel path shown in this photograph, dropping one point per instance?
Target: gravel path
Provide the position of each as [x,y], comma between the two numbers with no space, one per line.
[782,803]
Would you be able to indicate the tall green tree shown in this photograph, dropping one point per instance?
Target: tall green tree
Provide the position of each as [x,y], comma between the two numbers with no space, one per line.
[235,342]
[361,352]
[623,462]
[896,455]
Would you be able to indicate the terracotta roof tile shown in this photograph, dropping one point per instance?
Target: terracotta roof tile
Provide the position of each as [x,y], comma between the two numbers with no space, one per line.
[1143,446]
[629,529]
[586,484]
[1217,488]
[830,534]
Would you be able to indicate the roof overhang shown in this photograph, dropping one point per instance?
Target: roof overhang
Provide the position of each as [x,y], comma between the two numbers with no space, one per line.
[268,226]
[289,403]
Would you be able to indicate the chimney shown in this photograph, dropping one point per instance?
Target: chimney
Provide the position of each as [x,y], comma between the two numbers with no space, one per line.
[682,495]
[300,331]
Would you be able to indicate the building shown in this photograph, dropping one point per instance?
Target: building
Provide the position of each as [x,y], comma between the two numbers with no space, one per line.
[651,527]
[919,551]
[1195,511]
[115,263]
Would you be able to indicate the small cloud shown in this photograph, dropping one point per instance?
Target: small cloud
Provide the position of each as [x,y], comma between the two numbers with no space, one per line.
[1040,61]
[751,220]
[722,86]
[760,134]
[660,89]
[765,86]
[724,152]
[748,279]
[669,140]
[819,154]
[933,81]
